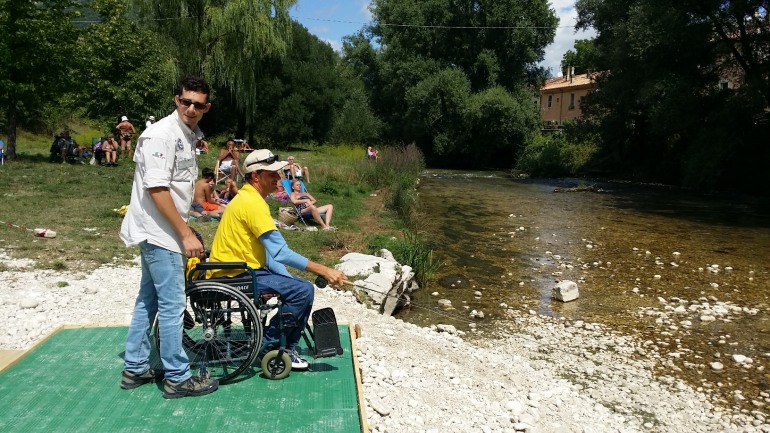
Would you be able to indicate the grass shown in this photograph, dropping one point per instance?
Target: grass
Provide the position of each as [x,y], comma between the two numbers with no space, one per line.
[78,201]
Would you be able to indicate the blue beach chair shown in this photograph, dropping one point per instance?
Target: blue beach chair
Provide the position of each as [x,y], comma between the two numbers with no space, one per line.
[304,218]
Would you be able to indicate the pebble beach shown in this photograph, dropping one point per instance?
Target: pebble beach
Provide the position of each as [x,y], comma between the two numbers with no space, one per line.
[540,375]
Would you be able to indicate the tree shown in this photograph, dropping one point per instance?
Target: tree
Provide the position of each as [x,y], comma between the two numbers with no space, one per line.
[437,55]
[224,41]
[37,40]
[301,91]
[583,59]
[659,110]
[122,69]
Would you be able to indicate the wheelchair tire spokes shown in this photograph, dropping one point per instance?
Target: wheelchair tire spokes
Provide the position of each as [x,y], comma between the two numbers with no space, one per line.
[225,336]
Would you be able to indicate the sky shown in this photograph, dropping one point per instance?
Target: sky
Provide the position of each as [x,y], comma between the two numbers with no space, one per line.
[330,20]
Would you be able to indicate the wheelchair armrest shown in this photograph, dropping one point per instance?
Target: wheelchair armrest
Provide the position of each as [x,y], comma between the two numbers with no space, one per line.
[208,266]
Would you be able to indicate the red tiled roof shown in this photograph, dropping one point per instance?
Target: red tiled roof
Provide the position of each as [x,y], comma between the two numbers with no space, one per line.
[563,82]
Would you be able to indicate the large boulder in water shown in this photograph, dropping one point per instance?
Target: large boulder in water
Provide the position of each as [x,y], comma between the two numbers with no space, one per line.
[387,283]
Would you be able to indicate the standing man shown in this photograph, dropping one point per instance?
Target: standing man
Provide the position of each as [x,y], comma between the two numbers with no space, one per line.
[126,131]
[247,234]
[157,221]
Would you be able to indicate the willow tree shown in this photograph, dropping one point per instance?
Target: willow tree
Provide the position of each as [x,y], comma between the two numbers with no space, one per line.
[223,41]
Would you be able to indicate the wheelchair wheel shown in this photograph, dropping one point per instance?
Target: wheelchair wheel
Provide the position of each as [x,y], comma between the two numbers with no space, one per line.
[222,333]
[274,367]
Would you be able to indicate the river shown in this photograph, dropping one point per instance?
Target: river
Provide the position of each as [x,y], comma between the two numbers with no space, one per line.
[686,273]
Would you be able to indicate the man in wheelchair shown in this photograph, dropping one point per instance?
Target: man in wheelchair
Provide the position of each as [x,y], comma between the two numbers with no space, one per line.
[247,234]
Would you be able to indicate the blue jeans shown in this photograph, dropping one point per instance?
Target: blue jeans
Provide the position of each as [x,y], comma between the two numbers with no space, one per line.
[161,291]
[297,297]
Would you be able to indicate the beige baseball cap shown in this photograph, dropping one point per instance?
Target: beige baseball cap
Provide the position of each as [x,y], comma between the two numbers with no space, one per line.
[262,159]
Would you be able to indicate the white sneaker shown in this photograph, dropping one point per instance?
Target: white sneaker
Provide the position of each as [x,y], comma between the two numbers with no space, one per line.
[297,363]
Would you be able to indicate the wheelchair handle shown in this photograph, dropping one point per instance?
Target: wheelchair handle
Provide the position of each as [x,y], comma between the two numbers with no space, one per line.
[208,266]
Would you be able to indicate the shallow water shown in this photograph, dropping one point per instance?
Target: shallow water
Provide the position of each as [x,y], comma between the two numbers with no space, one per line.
[512,240]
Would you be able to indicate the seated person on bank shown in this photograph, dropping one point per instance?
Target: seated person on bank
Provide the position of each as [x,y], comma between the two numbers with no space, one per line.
[242,145]
[295,171]
[247,233]
[110,149]
[203,198]
[228,161]
[280,193]
[371,153]
[226,194]
[305,204]
[64,147]
[202,145]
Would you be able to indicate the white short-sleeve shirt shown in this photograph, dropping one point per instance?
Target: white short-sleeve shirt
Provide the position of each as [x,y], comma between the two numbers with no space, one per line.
[164,157]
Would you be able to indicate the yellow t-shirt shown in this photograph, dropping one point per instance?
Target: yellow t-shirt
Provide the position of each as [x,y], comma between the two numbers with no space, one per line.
[246,218]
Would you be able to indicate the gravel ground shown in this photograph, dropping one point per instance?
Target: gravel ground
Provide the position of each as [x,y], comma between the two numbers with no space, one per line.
[542,375]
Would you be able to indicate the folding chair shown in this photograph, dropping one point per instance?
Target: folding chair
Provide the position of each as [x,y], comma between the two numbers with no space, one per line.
[222,173]
[287,186]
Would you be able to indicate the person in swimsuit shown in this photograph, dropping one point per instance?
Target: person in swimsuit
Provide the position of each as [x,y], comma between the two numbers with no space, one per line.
[110,149]
[306,205]
[295,171]
[203,197]
[228,160]
[126,131]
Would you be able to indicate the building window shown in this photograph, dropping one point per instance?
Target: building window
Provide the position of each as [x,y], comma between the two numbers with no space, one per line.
[571,101]
[550,100]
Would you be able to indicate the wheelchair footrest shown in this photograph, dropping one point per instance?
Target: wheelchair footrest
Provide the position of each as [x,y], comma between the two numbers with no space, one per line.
[326,334]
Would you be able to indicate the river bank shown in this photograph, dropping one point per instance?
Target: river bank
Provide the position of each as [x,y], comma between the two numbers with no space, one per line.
[539,375]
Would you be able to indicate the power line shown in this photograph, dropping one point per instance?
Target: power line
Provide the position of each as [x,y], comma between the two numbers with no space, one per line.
[418,26]
[430,26]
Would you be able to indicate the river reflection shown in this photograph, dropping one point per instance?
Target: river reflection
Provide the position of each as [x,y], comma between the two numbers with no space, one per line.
[626,246]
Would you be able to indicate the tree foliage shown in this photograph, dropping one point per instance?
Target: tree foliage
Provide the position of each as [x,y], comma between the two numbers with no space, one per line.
[224,41]
[37,40]
[121,68]
[439,58]
[585,58]
[301,91]
[660,110]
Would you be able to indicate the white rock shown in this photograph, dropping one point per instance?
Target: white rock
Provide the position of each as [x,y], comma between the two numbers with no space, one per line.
[565,291]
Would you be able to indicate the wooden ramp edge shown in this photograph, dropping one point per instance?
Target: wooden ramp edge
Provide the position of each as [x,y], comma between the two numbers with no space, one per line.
[9,358]
[355,332]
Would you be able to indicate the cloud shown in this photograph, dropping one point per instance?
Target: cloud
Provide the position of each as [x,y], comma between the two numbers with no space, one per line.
[364,4]
[565,35]
[335,44]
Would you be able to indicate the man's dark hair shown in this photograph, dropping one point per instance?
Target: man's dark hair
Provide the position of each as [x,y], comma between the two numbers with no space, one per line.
[207,173]
[194,84]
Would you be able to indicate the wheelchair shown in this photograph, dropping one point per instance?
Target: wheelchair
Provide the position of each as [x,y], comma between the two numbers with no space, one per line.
[223,323]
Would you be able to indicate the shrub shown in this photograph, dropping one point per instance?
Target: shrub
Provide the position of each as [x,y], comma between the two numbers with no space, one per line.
[553,155]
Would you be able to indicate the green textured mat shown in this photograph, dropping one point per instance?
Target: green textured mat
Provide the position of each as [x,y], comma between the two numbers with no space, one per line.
[70,383]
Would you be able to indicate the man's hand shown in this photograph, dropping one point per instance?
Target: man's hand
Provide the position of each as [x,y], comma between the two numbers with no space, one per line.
[334,277]
[192,246]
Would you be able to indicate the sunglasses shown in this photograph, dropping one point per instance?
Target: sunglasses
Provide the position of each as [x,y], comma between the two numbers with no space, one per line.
[270,160]
[187,102]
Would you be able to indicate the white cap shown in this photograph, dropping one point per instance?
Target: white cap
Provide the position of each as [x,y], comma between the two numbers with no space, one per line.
[262,159]
[124,119]
[151,118]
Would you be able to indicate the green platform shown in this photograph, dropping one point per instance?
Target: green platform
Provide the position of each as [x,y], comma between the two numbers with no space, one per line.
[70,383]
